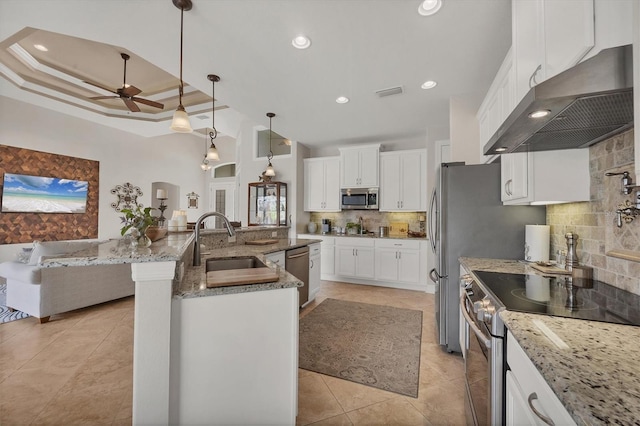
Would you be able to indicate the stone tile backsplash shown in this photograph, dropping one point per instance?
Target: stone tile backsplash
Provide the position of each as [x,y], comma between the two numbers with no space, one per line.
[371,219]
[594,221]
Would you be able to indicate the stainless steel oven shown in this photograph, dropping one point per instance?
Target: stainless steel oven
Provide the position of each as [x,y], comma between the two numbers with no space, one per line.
[484,356]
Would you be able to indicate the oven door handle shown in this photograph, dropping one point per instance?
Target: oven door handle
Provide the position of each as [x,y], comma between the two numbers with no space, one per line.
[472,325]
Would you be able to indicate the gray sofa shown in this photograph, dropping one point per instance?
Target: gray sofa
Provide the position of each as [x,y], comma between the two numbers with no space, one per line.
[44,291]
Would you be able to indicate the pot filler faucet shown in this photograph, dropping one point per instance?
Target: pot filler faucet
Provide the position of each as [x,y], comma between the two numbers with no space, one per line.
[196,244]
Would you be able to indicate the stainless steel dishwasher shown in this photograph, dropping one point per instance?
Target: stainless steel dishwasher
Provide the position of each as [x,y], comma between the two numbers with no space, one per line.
[297,264]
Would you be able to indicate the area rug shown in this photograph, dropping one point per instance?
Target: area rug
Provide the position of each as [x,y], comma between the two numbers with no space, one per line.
[374,345]
[5,314]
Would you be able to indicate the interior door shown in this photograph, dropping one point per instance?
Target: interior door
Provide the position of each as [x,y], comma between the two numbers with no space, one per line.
[222,199]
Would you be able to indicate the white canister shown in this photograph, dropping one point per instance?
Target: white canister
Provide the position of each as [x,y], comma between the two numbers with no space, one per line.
[312,227]
[536,243]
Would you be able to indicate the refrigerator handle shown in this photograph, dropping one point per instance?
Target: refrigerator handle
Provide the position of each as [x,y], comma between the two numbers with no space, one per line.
[432,223]
[434,276]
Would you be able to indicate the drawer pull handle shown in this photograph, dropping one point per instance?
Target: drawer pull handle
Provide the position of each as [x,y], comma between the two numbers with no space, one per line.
[542,417]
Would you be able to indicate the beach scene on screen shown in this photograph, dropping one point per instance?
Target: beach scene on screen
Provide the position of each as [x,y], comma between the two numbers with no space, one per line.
[37,194]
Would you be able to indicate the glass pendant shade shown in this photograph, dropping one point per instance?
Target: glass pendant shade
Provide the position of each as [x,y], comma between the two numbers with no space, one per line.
[180,121]
[205,164]
[212,153]
[269,171]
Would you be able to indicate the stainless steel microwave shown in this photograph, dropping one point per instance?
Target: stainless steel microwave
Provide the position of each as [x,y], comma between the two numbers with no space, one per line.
[359,199]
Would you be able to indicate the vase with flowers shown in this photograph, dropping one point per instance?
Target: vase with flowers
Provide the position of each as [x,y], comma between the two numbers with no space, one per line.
[136,221]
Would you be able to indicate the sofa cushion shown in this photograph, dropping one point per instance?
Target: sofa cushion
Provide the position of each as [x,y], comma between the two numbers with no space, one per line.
[20,272]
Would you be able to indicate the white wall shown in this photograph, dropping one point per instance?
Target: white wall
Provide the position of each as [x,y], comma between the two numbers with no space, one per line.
[123,157]
[464,130]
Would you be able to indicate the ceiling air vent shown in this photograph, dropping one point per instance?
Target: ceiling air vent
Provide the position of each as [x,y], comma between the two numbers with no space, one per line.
[202,117]
[390,91]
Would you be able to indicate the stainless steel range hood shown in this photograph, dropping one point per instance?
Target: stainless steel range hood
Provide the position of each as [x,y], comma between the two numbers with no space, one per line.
[587,103]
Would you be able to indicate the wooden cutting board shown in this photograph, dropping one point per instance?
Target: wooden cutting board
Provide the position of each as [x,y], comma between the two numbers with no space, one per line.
[240,276]
[553,269]
[261,242]
[398,228]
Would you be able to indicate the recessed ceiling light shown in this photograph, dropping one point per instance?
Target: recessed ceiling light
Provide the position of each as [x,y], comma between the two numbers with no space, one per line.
[301,42]
[429,7]
[342,100]
[540,113]
[41,47]
[501,149]
[429,84]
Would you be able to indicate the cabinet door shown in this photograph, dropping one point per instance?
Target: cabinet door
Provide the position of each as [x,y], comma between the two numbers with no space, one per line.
[345,261]
[314,179]
[409,266]
[412,188]
[332,184]
[350,168]
[315,263]
[517,410]
[327,260]
[515,176]
[369,158]
[527,43]
[364,262]
[389,182]
[386,264]
[568,32]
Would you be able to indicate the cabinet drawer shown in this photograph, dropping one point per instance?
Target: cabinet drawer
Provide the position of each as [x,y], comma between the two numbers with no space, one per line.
[398,244]
[314,249]
[355,241]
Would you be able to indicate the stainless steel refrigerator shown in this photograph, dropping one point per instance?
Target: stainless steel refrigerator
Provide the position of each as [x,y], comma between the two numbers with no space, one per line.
[467,218]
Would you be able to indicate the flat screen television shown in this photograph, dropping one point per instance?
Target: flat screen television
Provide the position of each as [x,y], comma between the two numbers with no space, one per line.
[38,194]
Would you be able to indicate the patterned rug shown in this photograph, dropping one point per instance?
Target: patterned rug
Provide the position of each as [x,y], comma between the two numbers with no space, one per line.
[374,345]
[5,314]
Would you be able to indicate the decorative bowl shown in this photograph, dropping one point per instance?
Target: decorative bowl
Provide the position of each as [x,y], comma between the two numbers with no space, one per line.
[155,232]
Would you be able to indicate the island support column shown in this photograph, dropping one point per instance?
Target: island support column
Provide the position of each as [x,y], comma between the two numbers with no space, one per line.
[151,341]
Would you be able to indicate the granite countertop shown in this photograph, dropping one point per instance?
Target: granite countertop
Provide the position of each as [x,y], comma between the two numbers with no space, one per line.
[598,378]
[174,247]
[194,283]
[115,251]
[371,235]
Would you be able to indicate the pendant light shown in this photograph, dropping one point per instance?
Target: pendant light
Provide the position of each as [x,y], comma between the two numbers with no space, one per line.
[180,121]
[212,153]
[205,165]
[270,171]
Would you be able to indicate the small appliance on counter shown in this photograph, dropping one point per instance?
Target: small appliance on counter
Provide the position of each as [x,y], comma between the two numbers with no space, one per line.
[383,231]
[326,226]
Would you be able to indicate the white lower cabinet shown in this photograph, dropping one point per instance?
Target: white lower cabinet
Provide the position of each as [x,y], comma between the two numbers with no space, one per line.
[276,257]
[529,399]
[354,257]
[398,260]
[315,256]
[327,254]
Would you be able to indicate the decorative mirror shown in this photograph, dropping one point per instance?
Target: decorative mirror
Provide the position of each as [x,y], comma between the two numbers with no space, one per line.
[192,198]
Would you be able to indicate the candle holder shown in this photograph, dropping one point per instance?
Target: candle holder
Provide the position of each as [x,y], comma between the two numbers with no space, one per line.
[162,208]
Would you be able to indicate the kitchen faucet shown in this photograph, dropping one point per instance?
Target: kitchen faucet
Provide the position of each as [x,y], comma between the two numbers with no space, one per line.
[196,245]
[360,223]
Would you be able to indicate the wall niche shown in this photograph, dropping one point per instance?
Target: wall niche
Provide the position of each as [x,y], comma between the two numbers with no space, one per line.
[26,227]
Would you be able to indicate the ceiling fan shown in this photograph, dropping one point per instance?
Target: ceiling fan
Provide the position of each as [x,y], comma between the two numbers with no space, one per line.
[127,92]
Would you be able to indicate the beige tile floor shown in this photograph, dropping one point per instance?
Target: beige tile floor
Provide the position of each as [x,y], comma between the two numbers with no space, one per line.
[77,369]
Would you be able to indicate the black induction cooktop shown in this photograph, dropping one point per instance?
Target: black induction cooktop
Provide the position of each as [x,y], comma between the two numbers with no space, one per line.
[562,296]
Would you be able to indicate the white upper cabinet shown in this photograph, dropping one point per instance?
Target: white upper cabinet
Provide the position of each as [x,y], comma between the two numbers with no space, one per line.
[322,184]
[359,166]
[403,180]
[546,177]
[549,36]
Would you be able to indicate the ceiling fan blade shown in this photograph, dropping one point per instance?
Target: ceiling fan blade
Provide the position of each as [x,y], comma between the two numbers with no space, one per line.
[129,91]
[97,98]
[148,102]
[131,105]
[100,87]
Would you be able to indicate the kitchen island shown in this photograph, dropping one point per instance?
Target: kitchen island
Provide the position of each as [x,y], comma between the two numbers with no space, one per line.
[596,376]
[204,355]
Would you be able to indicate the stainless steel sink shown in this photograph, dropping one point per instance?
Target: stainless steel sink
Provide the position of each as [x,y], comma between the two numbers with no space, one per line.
[239,262]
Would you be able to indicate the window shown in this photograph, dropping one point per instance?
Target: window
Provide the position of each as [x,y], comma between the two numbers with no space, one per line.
[279,144]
